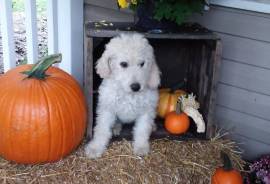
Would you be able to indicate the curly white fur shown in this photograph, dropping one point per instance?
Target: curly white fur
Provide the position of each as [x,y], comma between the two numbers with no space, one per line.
[117,100]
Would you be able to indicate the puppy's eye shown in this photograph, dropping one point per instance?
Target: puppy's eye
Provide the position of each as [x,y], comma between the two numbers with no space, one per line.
[124,64]
[142,64]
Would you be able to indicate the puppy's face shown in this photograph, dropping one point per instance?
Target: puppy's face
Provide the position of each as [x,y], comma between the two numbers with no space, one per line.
[129,60]
[131,70]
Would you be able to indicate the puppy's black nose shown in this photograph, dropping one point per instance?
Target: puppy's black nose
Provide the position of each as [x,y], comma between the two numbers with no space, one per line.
[135,87]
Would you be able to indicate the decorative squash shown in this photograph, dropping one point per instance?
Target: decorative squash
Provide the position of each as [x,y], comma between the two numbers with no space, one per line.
[177,122]
[42,115]
[226,174]
[167,101]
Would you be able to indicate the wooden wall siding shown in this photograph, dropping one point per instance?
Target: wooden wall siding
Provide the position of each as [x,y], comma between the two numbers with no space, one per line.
[252,147]
[245,76]
[247,51]
[237,22]
[98,10]
[243,100]
[236,121]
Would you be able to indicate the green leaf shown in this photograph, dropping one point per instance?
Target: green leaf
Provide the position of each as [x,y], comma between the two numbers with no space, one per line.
[162,10]
[177,10]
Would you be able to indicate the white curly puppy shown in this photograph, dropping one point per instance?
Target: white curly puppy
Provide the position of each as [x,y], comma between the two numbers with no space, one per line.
[127,93]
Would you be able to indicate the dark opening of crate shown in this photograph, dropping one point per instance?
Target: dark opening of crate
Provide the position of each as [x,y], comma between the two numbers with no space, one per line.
[185,63]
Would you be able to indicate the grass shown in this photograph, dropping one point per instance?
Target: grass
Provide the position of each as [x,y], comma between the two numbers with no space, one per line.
[18,5]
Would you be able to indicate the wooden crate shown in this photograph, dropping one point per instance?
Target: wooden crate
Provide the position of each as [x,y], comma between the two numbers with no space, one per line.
[191,57]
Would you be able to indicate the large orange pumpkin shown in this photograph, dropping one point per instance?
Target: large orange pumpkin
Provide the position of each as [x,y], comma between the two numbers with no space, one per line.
[167,101]
[226,174]
[42,115]
[177,122]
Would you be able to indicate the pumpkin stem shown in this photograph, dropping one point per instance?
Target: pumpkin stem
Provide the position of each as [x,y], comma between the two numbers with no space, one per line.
[38,70]
[227,164]
[178,108]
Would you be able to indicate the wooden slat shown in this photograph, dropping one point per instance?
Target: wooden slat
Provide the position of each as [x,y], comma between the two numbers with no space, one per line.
[236,23]
[126,27]
[31,31]
[254,104]
[245,76]
[88,83]
[96,13]
[52,26]
[111,33]
[246,50]
[244,124]
[214,78]
[7,34]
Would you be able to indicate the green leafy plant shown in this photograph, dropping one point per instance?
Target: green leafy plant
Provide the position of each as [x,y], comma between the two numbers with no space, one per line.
[177,10]
[173,10]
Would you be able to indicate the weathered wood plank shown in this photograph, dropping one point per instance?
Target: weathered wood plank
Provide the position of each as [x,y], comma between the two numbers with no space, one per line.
[96,13]
[252,103]
[88,83]
[244,124]
[236,23]
[216,62]
[108,34]
[245,76]
[116,28]
[246,50]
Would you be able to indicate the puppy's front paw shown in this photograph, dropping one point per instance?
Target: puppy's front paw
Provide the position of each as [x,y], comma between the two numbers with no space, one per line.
[142,149]
[93,150]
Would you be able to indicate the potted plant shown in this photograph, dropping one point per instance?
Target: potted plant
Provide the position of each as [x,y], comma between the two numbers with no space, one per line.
[162,14]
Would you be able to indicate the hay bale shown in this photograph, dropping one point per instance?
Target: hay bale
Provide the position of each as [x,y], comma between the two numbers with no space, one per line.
[170,161]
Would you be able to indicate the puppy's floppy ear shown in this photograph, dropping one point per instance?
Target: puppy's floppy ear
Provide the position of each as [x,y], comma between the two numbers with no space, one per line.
[154,79]
[103,66]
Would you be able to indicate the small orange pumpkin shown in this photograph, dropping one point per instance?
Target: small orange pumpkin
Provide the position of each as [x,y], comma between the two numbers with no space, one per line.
[226,174]
[167,101]
[42,115]
[177,122]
